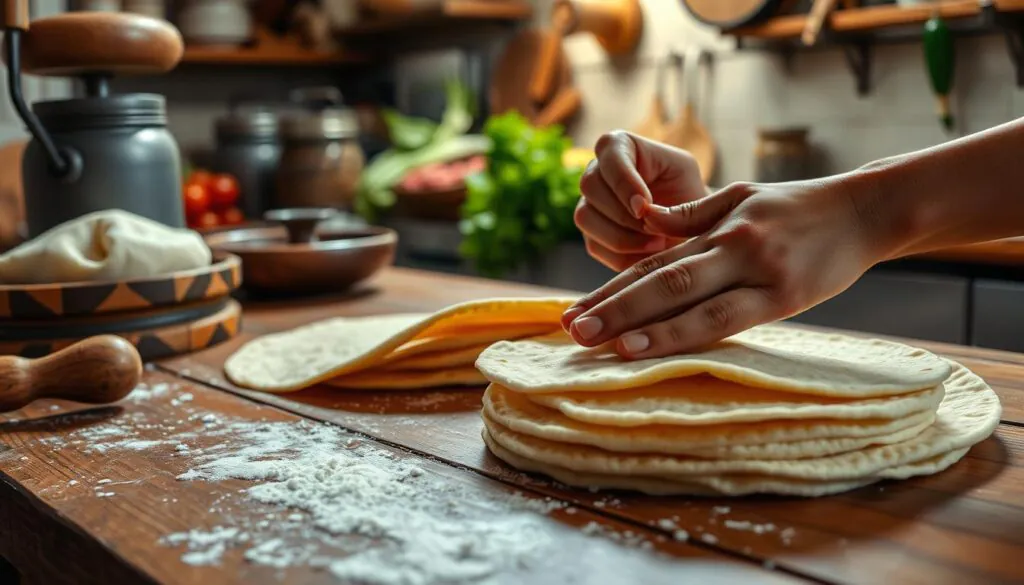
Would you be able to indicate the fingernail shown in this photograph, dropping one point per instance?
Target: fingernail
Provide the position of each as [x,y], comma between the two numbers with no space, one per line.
[638,204]
[569,315]
[655,245]
[588,327]
[635,343]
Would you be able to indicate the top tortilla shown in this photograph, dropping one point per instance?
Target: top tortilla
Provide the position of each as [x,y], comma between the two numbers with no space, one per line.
[772,357]
[305,356]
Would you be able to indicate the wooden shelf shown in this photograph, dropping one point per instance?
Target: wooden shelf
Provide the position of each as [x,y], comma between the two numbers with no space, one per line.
[268,50]
[857,30]
[872,18]
[257,57]
[449,11]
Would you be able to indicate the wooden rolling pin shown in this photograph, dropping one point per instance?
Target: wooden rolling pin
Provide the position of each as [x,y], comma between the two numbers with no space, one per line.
[97,370]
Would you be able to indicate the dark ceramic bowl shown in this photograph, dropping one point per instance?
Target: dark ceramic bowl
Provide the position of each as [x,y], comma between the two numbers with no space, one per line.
[278,259]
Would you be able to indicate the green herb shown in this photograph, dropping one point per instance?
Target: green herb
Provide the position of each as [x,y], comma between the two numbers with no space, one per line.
[417,142]
[522,206]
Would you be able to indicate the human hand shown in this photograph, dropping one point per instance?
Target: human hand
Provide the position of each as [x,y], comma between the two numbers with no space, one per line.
[628,174]
[756,254]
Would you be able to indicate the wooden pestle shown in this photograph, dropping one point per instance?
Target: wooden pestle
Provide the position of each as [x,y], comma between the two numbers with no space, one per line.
[97,370]
[15,14]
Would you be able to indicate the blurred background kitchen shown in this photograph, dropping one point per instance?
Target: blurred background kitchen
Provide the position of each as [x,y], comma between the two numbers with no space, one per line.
[464,124]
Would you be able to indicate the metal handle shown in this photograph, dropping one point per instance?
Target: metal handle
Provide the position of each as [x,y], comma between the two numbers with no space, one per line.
[60,166]
[16,23]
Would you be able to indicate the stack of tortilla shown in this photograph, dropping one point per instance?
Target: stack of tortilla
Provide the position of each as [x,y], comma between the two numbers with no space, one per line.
[402,351]
[772,410]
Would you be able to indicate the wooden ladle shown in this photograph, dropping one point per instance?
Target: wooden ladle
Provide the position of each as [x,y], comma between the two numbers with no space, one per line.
[97,370]
[616,24]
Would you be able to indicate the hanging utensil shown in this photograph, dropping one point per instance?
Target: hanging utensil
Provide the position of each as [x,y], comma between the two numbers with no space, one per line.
[940,57]
[655,122]
[815,20]
[687,132]
[545,68]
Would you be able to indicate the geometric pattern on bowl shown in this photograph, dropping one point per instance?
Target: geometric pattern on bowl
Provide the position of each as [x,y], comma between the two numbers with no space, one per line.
[47,301]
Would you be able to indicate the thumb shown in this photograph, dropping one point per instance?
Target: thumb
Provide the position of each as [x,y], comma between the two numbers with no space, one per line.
[692,218]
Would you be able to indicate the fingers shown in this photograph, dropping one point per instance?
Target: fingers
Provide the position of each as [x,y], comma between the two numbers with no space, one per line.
[711,321]
[612,237]
[599,195]
[666,288]
[613,260]
[693,218]
[617,162]
[637,270]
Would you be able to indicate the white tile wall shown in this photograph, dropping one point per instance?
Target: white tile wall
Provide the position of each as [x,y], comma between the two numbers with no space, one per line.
[752,89]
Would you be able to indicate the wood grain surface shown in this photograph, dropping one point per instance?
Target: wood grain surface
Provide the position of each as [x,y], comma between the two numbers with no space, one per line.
[961,526]
[72,514]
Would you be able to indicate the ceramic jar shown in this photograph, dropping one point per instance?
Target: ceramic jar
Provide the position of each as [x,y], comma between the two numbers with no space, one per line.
[322,160]
[215,22]
[783,154]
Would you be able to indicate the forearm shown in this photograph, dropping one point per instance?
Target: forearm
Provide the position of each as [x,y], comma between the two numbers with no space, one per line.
[965,191]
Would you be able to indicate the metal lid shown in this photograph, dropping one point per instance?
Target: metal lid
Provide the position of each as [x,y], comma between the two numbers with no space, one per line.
[248,119]
[328,120]
[129,109]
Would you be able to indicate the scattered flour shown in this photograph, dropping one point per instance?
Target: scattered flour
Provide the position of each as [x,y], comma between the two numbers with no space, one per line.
[752,527]
[399,523]
[145,392]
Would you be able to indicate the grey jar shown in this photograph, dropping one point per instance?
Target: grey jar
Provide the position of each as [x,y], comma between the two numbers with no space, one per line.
[123,157]
[249,147]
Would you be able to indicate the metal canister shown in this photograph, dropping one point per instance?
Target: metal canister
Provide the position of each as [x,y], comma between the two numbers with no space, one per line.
[783,154]
[322,160]
[249,147]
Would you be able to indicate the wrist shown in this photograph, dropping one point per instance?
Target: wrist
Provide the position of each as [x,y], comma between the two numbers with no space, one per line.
[887,208]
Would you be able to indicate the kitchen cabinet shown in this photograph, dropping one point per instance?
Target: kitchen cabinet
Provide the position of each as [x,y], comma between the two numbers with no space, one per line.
[997,314]
[906,304]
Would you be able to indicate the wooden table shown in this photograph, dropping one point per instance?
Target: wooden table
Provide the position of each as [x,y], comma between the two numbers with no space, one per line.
[75,512]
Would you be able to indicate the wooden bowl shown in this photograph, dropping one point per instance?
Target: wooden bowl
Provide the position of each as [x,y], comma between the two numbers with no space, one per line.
[432,205]
[70,299]
[333,261]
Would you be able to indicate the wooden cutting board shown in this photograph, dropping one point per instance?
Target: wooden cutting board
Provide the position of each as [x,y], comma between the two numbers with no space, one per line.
[510,81]
[728,14]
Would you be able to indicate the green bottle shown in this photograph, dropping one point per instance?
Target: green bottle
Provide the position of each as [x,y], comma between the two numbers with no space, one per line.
[940,56]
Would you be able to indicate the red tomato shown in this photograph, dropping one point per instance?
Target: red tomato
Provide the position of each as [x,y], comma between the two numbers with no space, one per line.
[207,220]
[197,199]
[200,176]
[232,216]
[223,191]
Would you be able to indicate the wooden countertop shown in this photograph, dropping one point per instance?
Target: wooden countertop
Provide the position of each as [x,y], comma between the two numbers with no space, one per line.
[75,513]
[1008,252]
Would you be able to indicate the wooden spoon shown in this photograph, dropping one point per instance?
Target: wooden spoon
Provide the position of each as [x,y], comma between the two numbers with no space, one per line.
[655,122]
[686,132]
[97,370]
